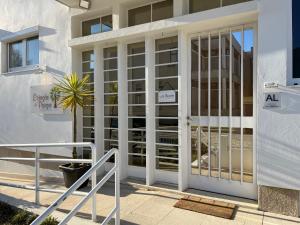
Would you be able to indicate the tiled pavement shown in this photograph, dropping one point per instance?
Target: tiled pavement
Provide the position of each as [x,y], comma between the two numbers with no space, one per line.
[140,206]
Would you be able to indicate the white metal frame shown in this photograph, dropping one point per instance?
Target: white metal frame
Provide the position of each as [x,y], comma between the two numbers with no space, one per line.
[92,172]
[231,187]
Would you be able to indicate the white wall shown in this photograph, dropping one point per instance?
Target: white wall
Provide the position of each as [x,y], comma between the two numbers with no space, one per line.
[278,130]
[18,124]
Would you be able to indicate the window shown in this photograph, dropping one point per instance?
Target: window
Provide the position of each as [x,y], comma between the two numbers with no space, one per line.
[149,13]
[98,25]
[296,39]
[23,53]
[201,5]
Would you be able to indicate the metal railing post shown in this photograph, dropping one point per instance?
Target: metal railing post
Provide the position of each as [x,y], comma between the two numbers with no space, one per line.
[37,176]
[94,183]
[117,188]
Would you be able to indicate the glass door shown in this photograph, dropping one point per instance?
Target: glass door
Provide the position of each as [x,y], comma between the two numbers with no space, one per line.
[222,103]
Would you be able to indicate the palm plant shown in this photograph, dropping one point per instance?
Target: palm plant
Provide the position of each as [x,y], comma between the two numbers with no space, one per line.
[73,92]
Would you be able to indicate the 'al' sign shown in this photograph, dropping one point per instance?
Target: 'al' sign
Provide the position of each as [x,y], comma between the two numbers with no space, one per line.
[44,100]
[272,100]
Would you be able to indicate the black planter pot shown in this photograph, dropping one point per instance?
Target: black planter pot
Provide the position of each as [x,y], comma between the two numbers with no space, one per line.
[71,175]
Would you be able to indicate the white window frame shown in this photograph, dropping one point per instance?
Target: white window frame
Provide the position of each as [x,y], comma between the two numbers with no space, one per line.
[142,5]
[93,18]
[24,55]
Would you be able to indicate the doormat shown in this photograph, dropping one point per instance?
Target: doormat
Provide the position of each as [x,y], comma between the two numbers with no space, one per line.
[207,206]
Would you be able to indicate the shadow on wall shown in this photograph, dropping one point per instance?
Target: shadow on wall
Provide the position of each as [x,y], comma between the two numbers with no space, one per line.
[282,167]
[4,33]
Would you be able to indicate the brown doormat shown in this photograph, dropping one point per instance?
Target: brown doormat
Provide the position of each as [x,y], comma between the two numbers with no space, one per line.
[207,206]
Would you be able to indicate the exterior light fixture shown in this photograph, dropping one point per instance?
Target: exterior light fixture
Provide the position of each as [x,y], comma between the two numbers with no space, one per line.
[85,4]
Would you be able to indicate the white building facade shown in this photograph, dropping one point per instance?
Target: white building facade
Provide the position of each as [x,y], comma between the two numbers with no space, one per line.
[195,93]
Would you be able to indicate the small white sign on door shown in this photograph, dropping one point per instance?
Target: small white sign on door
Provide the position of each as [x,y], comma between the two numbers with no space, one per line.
[272,100]
[167,96]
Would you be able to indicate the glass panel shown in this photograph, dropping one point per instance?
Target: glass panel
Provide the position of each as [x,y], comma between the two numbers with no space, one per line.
[214,151]
[111,134]
[91,27]
[136,111]
[32,51]
[136,99]
[194,77]
[136,160]
[248,155]
[296,38]
[136,48]
[88,56]
[232,2]
[139,15]
[236,154]
[88,67]
[166,70]
[225,153]
[167,137]
[167,164]
[236,73]
[111,122]
[167,124]
[111,99]
[167,151]
[204,150]
[166,43]
[162,10]
[108,145]
[195,149]
[110,52]
[90,75]
[139,136]
[248,72]
[137,73]
[106,23]
[136,86]
[88,110]
[15,54]
[88,121]
[110,110]
[136,60]
[110,64]
[88,133]
[204,77]
[214,76]
[111,87]
[137,148]
[137,123]
[166,57]
[167,111]
[201,5]
[225,61]
[166,84]
[111,75]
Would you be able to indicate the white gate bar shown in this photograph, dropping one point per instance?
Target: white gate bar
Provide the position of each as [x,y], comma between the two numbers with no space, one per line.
[219,103]
[242,107]
[209,104]
[37,176]
[230,106]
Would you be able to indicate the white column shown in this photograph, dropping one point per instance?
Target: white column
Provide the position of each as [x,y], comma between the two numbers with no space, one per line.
[150,110]
[99,102]
[180,7]
[123,109]
[116,16]
[183,171]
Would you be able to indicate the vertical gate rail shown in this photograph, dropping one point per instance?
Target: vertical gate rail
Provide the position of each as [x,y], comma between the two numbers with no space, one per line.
[92,172]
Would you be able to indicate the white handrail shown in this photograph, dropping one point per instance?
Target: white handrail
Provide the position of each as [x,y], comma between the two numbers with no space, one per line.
[72,190]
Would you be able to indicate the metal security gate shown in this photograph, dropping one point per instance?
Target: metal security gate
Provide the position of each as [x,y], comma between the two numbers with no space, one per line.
[222,103]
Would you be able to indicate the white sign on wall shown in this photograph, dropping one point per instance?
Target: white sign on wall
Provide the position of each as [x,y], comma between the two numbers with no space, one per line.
[167,96]
[44,100]
[272,100]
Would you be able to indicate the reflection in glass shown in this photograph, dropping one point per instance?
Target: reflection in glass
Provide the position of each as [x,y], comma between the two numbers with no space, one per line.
[15,54]
[204,77]
[214,151]
[137,135]
[204,156]
[106,23]
[214,76]
[248,155]
[139,15]
[166,70]
[167,137]
[111,75]
[137,160]
[137,98]
[136,123]
[225,153]
[111,134]
[195,77]
[225,61]
[232,2]
[136,73]
[195,149]
[236,154]
[248,72]
[32,51]
[136,111]
[136,86]
[236,72]
[162,10]
[91,27]
[201,5]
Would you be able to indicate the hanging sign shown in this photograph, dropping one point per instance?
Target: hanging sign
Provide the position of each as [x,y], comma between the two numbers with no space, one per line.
[44,100]
[167,96]
[272,100]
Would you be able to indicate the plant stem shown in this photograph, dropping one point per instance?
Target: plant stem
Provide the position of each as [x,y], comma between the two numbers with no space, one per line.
[74,131]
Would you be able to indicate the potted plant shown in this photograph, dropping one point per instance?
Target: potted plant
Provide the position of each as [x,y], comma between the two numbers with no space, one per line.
[72,92]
